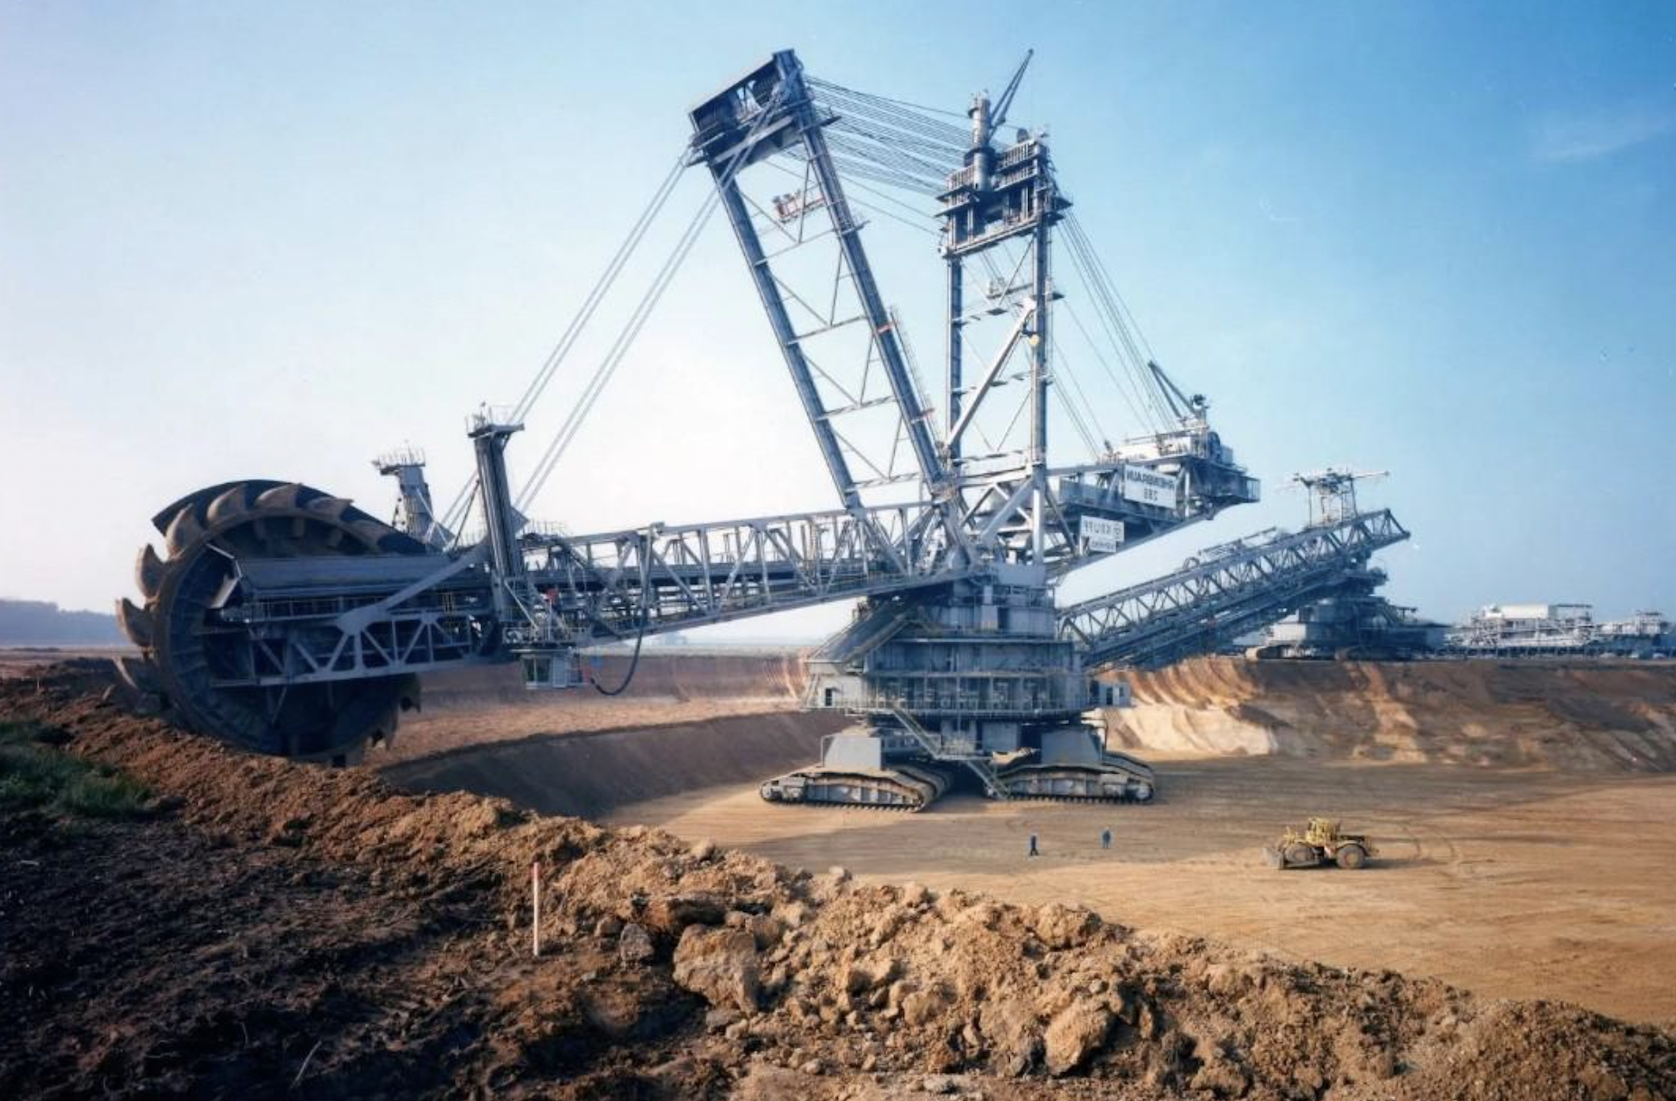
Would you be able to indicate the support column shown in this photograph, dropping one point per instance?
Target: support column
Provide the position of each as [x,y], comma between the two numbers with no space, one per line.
[501,518]
[1039,382]
[957,308]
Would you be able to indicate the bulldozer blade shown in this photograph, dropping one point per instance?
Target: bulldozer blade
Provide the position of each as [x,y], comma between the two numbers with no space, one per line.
[183,531]
[1274,857]
[226,506]
[148,572]
[278,497]
[135,622]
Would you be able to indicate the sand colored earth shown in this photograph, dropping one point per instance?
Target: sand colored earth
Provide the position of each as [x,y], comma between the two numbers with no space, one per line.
[473,706]
[1522,813]
[287,930]
[1591,716]
[1511,884]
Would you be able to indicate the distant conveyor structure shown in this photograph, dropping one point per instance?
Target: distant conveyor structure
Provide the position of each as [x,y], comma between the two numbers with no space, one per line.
[284,620]
[1230,591]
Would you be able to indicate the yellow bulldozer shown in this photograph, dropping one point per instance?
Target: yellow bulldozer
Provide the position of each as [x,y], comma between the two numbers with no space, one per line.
[1322,842]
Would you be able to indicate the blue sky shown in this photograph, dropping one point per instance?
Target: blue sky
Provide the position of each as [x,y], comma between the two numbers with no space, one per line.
[273,240]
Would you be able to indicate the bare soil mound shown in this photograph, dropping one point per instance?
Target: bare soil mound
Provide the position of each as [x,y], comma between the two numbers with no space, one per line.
[290,929]
[588,774]
[1586,716]
[487,704]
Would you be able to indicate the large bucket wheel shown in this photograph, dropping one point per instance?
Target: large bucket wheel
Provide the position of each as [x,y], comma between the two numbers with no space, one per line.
[186,649]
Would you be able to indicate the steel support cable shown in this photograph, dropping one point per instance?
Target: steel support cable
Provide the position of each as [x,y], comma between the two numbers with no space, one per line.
[1077,421]
[1148,383]
[896,130]
[851,183]
[1078,228]
[1119,316]
[614,356]
[1136,408]
[624,253]
[1131,383]
[1088,415]
[901,104]
[857,164]
[884,131]
[924,175]
[860,157]
[919,113]
[917,175]
[904,115]
[846,112]
[637,320]
[602,286]
[887,141]
[889,147]
[1101,294]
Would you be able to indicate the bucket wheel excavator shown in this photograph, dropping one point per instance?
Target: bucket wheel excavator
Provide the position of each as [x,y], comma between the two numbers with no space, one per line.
[190,651]
[284,620]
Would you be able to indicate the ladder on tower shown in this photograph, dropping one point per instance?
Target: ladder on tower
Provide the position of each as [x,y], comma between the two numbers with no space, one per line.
[941,749]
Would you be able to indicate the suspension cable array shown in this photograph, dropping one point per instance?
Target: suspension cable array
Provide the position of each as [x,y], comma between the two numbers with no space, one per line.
[889,141]
[637,321]
[461,505]
[887,147]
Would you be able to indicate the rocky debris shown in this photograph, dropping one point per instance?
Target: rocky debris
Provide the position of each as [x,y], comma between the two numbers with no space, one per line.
[1060,927]
[634,944]
[719,965]
[670,914]
[671,970]
[1012,1035]
[1075,1035]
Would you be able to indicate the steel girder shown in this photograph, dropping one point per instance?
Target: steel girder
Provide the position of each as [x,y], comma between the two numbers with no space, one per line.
[1247,586]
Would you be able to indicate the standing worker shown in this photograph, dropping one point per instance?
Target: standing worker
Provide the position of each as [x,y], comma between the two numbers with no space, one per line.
[1033,850]
[1106,838]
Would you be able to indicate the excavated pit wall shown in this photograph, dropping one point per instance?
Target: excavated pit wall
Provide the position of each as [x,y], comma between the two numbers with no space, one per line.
[692,721]
[588,775]
[1585,716]
[686,721]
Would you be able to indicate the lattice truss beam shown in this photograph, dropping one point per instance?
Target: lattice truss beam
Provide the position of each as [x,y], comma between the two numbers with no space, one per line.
[660,578]
[1244,586]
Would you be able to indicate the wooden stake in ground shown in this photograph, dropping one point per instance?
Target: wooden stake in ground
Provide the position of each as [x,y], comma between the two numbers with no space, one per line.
[535,907]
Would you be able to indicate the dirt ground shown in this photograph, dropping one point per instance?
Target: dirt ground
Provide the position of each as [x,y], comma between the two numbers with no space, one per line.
[1512,884]
[489,704]
[28,661]
[271,929]
[1522,810]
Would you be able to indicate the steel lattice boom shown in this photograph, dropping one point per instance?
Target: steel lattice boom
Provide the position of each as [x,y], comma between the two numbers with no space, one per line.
[1217,597]
[286,621]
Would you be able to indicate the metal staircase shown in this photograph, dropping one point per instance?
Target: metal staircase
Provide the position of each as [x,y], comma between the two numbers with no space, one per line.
[964,752]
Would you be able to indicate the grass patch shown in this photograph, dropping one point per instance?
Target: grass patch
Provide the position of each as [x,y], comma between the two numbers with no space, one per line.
[36,775]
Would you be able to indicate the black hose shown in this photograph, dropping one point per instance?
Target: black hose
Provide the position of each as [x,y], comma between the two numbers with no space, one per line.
[634,663]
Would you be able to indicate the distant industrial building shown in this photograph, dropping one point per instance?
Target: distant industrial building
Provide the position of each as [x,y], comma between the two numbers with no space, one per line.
[1500,630]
